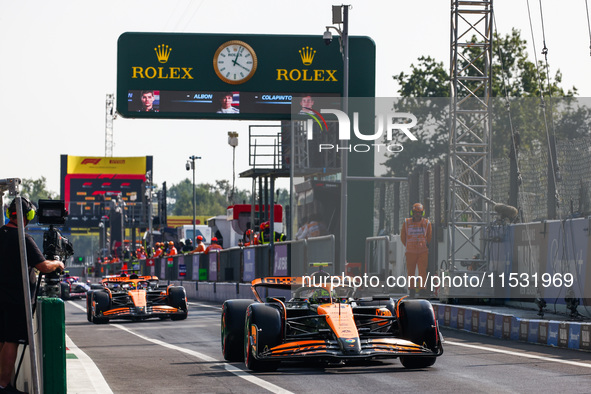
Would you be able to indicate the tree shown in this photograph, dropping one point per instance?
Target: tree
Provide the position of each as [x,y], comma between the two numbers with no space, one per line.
[513,76]
[210,199]
[36,189]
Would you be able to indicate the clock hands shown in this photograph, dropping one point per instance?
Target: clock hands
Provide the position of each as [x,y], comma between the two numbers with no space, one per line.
[235,61]
[241,66]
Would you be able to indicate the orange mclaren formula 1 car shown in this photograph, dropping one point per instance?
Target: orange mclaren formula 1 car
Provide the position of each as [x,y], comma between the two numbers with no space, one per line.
[135,297]
[327,325]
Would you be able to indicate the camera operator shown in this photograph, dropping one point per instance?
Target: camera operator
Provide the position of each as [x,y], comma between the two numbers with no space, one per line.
[13,322]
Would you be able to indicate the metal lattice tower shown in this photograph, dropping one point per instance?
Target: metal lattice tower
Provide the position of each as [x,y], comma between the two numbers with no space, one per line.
[109,117]
[470,130]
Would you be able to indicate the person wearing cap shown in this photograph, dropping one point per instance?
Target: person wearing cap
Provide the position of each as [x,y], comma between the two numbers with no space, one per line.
[171,251]
[415,236]
[159,250]
[250,238]
[188,247]
[13,319]
[214,245]
[200,245]
[265,235]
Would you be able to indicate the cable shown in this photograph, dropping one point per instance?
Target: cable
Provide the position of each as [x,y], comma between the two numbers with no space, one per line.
[588,26]
[545,49]
[553,163]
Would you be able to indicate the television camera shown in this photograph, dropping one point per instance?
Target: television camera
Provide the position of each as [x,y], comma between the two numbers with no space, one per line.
[55,245]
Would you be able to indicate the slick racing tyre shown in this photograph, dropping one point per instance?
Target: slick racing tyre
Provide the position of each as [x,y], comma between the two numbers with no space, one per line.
[102,303]
[417,324]
[233,315]
[263,330]
[89,305]
[64,291]
[177,298]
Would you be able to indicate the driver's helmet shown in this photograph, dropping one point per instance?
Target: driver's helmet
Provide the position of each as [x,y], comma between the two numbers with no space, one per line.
[320,296]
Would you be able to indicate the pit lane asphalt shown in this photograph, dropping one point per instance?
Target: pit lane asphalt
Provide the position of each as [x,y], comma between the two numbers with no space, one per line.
[185,357]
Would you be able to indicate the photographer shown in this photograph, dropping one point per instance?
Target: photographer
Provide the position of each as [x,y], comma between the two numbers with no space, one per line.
[13,322]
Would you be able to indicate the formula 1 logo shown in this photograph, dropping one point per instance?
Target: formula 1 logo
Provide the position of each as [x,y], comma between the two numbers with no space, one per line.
[91,161]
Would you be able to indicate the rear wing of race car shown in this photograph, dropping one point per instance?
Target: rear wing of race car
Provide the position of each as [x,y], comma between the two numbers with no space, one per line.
[283,282]
[117,278]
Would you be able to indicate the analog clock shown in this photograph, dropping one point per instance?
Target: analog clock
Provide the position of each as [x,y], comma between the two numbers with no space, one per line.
[235,62]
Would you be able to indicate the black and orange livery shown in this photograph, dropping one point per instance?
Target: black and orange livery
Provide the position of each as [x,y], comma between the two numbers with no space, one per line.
[135,297]
[327,325]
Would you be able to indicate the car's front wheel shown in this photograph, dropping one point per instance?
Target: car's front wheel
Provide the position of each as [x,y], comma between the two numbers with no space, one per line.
[262,330]
[417,324]
[233,317]
[177,298]
[102,303]
[89,306]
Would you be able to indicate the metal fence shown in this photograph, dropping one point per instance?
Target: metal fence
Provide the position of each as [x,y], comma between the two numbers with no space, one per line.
[536,198]
[240,265]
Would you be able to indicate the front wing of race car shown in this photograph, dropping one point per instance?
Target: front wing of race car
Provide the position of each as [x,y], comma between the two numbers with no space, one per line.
[331,349]
[143,312]
[134,305]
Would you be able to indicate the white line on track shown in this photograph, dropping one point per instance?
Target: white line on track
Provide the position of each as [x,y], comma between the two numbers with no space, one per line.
[230,368]
[87,366]
[218,308]
[84,365]
[512,353]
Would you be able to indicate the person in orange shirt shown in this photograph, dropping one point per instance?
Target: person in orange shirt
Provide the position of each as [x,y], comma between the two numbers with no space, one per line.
[200,245]
[171,249]
[213,246]
[415,236]
[141,253]
[158,252]
[248,238]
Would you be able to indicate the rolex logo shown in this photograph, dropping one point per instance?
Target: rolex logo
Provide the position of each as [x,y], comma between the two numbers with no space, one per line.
[307,55]
[162,52]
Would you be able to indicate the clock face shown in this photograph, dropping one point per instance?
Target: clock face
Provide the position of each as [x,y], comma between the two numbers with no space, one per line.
[235,62]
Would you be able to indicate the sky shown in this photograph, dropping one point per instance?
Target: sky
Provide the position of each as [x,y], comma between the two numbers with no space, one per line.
[60,61]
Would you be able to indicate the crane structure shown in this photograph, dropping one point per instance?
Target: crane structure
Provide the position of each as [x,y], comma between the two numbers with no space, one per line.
[109,117]
[470,133]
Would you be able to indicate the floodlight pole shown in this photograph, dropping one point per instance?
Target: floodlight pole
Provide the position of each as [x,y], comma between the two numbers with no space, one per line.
[344,42]
[192,165]
[233,142]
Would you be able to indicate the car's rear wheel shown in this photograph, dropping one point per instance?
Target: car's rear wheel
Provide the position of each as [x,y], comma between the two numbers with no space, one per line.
[102,303]
[262,330]
[233,317]
[417,324]
[177,298]
[65,291]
